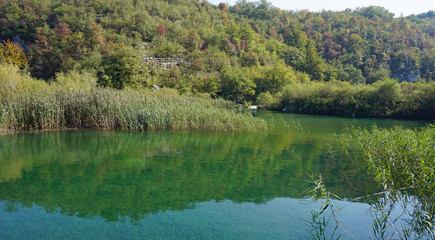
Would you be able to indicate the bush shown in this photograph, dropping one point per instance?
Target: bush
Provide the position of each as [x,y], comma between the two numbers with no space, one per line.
[265,99]
[122,68]
[382,99]
[236,85]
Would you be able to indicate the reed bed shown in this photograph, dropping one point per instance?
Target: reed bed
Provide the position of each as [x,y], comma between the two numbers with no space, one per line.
[398,158]
[74,101]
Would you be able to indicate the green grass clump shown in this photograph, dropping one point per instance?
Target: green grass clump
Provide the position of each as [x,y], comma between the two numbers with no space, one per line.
[398,158]
[74,101]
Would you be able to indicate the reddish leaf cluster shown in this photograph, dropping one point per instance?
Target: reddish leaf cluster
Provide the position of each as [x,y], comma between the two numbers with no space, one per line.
[62,31]
[223,7]
[161,30]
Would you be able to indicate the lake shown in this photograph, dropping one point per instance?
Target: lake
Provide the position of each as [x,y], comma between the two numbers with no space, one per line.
[185,185]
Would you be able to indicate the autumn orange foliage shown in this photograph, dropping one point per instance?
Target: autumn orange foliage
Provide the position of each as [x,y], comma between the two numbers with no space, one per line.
[11,53]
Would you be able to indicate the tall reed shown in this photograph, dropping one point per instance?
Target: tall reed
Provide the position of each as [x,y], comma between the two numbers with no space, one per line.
[402,161]
[73,101]
[397,158]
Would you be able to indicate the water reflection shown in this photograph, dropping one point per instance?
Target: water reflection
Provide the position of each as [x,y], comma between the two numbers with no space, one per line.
[114,174]
[165,178]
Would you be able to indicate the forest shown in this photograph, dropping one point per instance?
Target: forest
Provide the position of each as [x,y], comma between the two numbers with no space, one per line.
[185,65]
[248,53]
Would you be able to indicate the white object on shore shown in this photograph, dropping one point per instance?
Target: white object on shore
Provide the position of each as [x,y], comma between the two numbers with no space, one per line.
[252,107]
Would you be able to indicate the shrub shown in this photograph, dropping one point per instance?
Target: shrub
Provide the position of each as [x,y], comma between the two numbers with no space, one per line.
[382,99]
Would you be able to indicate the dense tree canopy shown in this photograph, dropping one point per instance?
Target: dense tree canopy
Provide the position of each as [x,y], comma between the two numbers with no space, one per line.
[224,50]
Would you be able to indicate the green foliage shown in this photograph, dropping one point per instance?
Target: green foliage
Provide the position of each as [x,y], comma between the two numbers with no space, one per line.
[75,81]
[313,62]
[398,158]
[166,48]
[293,57]
[13,82]
[374,12]
[206,84]
[122,68]
[237,85]
[265,99]
[73,101]
[296,38]
[111,39]
[382,99]
[380,75]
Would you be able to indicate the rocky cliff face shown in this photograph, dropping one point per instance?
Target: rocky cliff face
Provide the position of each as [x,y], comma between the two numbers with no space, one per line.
[406,71]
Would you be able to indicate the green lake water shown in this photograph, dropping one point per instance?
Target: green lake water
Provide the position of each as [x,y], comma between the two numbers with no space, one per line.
[182,185]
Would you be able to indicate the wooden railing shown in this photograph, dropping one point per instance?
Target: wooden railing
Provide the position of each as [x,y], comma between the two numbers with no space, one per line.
[164,63]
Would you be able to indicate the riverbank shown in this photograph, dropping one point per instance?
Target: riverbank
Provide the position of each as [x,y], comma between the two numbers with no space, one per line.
[384,99]
[74,101]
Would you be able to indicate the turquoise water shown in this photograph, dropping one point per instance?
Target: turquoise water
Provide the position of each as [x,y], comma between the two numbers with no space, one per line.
[181,185]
